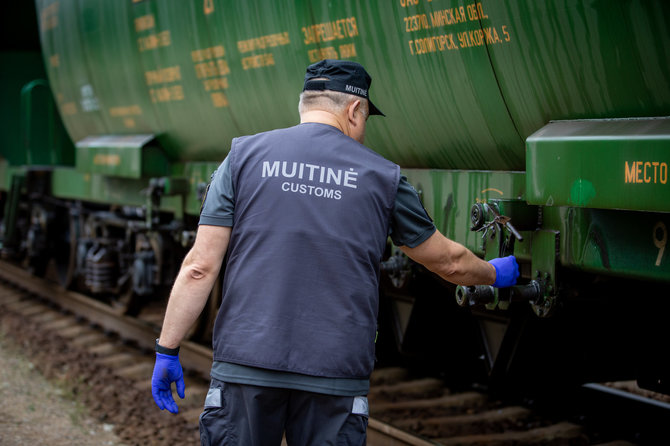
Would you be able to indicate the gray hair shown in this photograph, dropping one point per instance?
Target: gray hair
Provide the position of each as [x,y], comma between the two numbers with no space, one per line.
[328,100]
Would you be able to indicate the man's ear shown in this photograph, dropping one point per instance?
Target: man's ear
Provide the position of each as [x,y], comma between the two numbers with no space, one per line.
[352,109]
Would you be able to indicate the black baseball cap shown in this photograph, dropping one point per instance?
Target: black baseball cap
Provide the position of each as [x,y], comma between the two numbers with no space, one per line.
[342,75]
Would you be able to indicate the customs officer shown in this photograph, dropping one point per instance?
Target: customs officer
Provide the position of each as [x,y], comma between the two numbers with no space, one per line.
[301,216]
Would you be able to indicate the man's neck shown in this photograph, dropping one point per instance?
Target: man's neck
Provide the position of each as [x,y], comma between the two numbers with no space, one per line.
[323,117]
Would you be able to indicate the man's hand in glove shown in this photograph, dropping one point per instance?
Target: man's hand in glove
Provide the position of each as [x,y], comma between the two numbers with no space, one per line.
[507,271]
[166,371]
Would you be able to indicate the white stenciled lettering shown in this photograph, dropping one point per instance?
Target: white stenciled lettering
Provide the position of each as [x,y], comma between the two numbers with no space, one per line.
[335,175]
[356,90]
[309,172]
[286,174]
[350,178]
[270,171]
[311,168]
[306,173]
[317,191]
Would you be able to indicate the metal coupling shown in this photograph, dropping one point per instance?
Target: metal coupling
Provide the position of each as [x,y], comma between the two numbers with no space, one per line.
[467,296]
[526,293]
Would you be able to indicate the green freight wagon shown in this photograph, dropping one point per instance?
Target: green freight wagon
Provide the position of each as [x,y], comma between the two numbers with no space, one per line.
[535,128]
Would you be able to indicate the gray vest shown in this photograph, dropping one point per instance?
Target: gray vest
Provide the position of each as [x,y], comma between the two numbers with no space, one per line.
[300,293]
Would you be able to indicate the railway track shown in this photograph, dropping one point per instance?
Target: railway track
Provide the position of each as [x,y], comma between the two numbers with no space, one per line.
[108,360]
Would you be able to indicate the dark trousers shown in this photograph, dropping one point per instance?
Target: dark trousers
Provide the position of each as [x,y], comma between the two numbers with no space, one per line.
[246,415]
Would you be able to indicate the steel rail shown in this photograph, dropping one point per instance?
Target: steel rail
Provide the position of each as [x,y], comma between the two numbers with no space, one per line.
[382,434]
[143,334]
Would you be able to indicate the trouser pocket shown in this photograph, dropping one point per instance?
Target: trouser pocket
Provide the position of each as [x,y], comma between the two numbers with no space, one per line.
[215,426]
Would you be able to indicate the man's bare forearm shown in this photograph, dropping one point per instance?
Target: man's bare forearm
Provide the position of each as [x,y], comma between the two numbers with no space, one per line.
[452,261]
[467,269]
[187,299]
[194,283]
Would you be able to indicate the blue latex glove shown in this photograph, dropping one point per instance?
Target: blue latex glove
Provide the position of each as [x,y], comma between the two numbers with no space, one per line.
[166,371]
[507,271]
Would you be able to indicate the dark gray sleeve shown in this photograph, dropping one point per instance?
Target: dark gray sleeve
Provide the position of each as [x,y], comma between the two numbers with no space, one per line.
[218,206]
[410,224]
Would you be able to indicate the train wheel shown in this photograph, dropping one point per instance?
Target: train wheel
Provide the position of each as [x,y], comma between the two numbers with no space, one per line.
[141,282]
[37,240]
[65,249]
[52,245]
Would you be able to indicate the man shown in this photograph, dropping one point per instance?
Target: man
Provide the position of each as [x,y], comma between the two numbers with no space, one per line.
[303,215]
